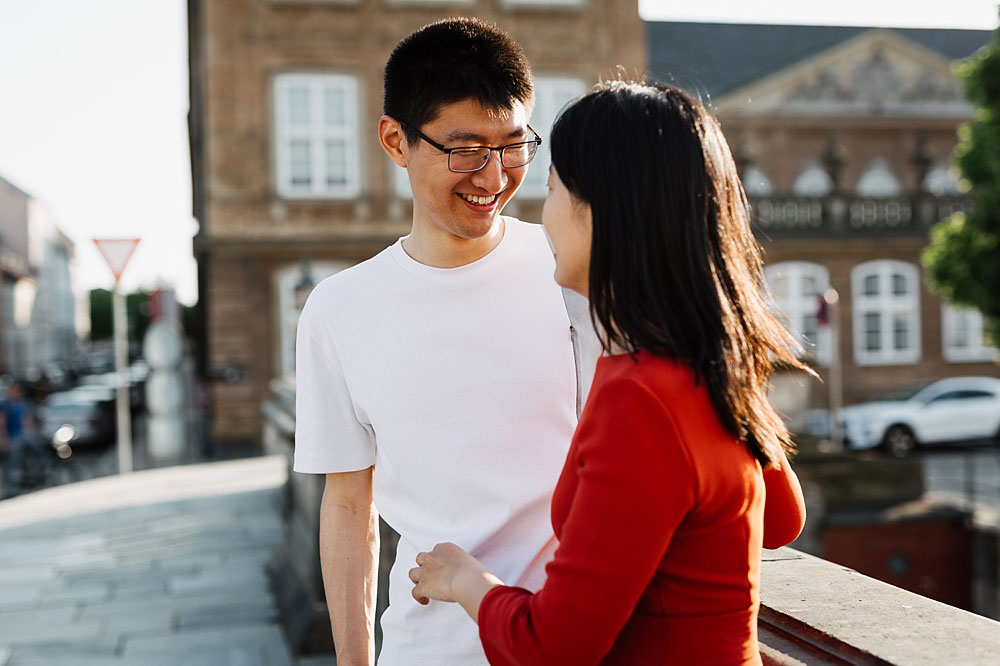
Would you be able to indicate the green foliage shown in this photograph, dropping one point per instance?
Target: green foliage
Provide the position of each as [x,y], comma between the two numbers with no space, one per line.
[137,309]
[963,258]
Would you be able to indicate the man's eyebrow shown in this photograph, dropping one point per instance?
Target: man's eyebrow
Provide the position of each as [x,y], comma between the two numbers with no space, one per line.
[463,135]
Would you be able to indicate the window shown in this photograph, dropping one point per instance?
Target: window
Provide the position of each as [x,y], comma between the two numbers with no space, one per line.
[316,133]
[796,287]
[962,336]
[878,180]
[886,306]
[812,181]
[552,93]
[940,181]
[293,286]
[756,183]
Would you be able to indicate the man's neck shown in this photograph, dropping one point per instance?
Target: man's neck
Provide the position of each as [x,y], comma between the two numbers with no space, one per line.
[444,250]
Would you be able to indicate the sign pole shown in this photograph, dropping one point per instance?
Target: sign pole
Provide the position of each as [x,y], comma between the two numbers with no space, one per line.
[123,405]
[117,252]
[836,385]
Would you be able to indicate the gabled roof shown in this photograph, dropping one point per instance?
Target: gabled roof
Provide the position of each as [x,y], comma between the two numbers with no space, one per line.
[717,58]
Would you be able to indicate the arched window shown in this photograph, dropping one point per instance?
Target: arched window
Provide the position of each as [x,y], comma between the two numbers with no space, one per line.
[812,181]
[878,180]
[293,287]
[962,336]
[796,287]
[940,181]
[756,183]
[886,306]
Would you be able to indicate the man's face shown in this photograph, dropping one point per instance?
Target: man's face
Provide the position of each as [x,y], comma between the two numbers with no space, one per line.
[465,205]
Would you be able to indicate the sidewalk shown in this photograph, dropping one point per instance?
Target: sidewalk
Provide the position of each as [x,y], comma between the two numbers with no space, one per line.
[158,568]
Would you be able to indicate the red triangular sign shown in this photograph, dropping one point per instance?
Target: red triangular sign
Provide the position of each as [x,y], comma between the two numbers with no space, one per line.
[117,252]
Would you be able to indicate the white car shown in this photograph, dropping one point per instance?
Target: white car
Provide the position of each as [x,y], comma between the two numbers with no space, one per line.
[947,410]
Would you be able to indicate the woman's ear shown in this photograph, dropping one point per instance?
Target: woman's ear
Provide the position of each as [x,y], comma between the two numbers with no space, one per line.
[393,140]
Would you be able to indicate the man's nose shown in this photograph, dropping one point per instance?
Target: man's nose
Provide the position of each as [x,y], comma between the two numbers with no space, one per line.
[492,177]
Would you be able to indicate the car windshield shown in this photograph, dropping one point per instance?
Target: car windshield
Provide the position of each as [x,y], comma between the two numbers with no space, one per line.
[906,392]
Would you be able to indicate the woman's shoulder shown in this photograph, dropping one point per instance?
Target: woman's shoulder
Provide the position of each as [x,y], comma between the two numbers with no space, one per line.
[659,375]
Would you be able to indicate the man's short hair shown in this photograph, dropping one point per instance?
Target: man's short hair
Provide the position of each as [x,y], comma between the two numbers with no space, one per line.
[450,61]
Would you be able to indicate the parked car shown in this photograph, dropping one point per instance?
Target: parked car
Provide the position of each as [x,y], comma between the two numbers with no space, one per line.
[88,412]
[947,410]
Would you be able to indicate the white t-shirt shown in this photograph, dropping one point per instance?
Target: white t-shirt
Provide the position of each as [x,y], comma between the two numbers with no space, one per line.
[460,386]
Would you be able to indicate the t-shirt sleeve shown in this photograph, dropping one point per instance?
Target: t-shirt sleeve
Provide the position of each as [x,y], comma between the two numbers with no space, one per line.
[784,507]
[635,486]
[329,437]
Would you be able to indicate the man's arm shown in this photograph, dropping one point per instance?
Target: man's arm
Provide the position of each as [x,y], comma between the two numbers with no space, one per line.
[348,550]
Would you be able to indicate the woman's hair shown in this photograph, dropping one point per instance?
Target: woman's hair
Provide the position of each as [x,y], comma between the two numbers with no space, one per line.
[674,267]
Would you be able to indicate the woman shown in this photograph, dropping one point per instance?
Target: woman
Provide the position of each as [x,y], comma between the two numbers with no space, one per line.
[660,509]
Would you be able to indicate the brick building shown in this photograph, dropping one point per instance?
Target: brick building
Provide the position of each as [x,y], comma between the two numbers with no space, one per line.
[844,137]
[290,184]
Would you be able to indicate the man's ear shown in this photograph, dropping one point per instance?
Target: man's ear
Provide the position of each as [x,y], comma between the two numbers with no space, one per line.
[393,140]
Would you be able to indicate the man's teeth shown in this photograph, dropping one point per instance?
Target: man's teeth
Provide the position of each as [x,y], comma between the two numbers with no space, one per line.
[482,201]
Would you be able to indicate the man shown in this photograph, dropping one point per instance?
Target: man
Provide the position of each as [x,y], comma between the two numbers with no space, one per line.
[442,377]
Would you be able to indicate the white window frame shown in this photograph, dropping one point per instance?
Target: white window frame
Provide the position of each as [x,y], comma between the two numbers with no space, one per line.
[796,306]
[941,181]
[285,281]
[977,350]
[878,181]
[756,183]
[812,181]
[888,306]
[316,133]
[552,93]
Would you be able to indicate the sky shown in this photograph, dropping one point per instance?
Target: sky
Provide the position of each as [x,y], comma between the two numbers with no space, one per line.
[93,104]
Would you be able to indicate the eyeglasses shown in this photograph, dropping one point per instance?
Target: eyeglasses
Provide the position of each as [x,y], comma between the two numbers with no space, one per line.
[465,159]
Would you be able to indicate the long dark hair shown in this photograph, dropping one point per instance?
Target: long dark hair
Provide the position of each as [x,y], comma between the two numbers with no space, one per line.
[674,267]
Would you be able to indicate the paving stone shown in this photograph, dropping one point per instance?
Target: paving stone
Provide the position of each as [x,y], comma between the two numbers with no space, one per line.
[265,640]
[52,625]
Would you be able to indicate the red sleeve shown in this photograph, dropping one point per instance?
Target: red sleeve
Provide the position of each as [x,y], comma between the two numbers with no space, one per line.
[635,485]
[784,508]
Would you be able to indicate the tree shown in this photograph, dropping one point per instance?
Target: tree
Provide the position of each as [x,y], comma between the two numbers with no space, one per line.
[137,311]
[963,258]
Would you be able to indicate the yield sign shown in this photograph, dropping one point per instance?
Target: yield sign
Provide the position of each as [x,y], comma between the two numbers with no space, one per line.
[117,252]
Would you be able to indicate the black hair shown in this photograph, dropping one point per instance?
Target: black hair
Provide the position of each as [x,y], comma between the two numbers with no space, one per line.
[674,267]
[450,61]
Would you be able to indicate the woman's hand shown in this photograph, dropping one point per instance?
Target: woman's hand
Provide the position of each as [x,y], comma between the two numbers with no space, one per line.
[448,573]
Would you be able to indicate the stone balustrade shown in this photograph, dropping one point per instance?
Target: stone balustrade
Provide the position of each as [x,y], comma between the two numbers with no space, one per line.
[812,611]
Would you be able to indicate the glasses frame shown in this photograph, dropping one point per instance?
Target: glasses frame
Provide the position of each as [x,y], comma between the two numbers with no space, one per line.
[448,151]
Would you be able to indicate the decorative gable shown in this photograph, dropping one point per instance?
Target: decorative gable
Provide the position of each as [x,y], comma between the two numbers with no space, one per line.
[877,73]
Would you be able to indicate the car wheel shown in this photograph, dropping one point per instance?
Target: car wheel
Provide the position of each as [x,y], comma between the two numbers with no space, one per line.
[899,441]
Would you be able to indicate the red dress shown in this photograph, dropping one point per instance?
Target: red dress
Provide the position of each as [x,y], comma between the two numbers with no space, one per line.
[660,516]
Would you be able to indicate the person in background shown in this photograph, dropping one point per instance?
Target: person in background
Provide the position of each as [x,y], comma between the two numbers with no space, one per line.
[15,413]
[678,473]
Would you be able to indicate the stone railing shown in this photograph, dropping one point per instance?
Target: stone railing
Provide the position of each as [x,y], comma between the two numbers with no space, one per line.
[781,216]
[812,611]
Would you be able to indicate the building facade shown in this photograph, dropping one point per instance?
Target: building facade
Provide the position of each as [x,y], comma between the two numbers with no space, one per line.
[290,184]
[844,139]
[42,311]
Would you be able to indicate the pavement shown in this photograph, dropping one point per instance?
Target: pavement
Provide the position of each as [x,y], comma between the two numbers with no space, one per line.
[154,568]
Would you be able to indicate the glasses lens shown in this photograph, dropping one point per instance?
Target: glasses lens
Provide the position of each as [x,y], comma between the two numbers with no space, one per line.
[468,159]
[519,154]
